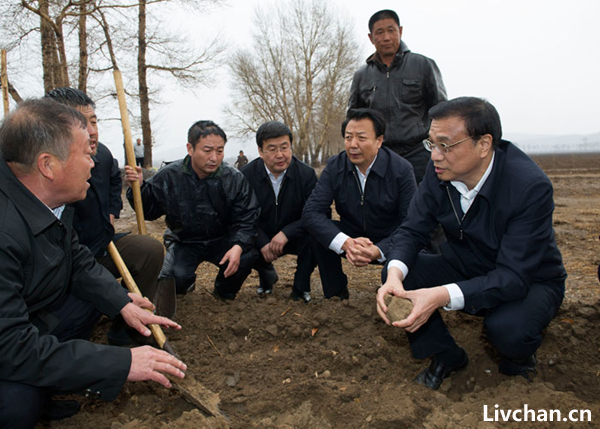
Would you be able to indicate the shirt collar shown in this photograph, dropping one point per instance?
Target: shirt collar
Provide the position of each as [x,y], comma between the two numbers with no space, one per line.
[462,188]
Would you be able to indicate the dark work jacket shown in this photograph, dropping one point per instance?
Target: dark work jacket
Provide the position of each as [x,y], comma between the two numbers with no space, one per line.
[402,93]
[92,215]
[285,212]
[375,214]
[198,211]
[503,244]
[40,261]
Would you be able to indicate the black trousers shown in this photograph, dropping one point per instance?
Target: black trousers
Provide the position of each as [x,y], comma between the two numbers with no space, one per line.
[419,160]
[21,405]
[305,265]
[332,275]
[513,328]
[182,259]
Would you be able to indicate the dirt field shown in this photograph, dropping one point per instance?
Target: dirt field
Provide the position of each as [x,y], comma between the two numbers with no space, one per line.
[278,363]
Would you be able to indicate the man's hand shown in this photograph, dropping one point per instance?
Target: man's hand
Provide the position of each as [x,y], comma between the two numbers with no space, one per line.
[136,317]
[425,302]
[233,255]
[148,363]
[393,286]
[360,251]
[141,301]
[131,174]
[278,241]
[267,253]
[111,217]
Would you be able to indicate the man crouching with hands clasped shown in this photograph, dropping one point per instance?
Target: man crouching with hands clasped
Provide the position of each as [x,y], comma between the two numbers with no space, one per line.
[52,291]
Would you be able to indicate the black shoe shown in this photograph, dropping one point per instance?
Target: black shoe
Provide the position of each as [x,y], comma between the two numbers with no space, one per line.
[343,294]
[223,296]
[523,367]
[296,295]
[58,410]
[434,375]
[267,277]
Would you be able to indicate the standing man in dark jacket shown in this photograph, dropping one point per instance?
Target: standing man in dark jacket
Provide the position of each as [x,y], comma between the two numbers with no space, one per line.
[210,209]
[95,215]
[52,291]
[501,260]
[371,187]
[282,184]
[402,86]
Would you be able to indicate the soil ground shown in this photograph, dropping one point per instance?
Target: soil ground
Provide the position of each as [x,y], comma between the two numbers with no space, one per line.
[335,364]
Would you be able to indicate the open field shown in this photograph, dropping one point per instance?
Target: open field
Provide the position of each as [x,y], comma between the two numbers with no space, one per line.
[278,363]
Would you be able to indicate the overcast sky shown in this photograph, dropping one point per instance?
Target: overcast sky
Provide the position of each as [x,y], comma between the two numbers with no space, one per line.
[537,61]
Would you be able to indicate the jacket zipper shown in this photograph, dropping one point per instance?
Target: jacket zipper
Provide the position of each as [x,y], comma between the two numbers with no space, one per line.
[277,199]
[362,199]
[459,220]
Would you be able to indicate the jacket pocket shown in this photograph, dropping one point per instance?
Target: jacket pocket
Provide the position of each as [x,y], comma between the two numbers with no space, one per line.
[410,91]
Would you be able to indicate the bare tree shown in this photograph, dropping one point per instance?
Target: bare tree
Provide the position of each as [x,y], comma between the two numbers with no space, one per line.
[299,72]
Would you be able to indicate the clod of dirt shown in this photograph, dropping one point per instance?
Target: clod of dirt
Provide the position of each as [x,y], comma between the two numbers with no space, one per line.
[398,308]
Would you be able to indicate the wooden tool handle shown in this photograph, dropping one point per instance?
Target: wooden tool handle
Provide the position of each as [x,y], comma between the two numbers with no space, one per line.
[156,330]
[129,152]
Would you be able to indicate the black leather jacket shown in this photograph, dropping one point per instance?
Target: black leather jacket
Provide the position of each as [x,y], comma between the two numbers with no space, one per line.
[197,211]
[403,93]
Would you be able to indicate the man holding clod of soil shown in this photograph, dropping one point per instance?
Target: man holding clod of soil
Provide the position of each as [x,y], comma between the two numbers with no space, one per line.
[371,187]
[52,291]
[211,213]
[282,184]
[500,260]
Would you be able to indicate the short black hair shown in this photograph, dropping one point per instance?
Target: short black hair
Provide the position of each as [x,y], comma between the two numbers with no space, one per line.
[373,115]
[271,130]
[479,115]
[383,14]
[71,97]
[37,126]
[203,129]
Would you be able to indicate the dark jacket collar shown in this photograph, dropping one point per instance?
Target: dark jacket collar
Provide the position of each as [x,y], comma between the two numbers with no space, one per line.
[374,57]
[290,173]
[33,211]
[186,167]
[379,167]
[488,189]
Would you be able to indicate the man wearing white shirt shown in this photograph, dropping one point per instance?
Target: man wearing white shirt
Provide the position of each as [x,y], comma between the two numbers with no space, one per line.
[282,183]
[371,187]
[500,260]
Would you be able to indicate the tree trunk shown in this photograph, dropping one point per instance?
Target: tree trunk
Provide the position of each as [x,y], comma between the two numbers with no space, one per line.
[49,58]
[143,86]
[83,51]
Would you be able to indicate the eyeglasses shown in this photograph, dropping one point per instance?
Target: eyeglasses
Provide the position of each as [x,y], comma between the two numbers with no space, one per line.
[442,147]
[274,149]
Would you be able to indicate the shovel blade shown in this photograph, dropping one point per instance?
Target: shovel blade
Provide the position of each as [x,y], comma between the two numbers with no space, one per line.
[166,303]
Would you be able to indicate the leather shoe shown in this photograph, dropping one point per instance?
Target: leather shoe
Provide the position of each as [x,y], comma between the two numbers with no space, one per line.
[434,375]
[60,409]
[343,294]
[296,295]
[523,367]
[267,278]
[223,296]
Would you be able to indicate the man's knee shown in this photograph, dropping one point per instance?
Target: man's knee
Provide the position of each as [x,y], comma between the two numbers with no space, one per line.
[512,336]
[20,405]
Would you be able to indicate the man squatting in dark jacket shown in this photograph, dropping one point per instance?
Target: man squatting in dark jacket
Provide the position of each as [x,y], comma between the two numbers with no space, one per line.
[500,260]
[211,213]
[402,86]
[282,184]
[52,291]
[372,188]
[95,215]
